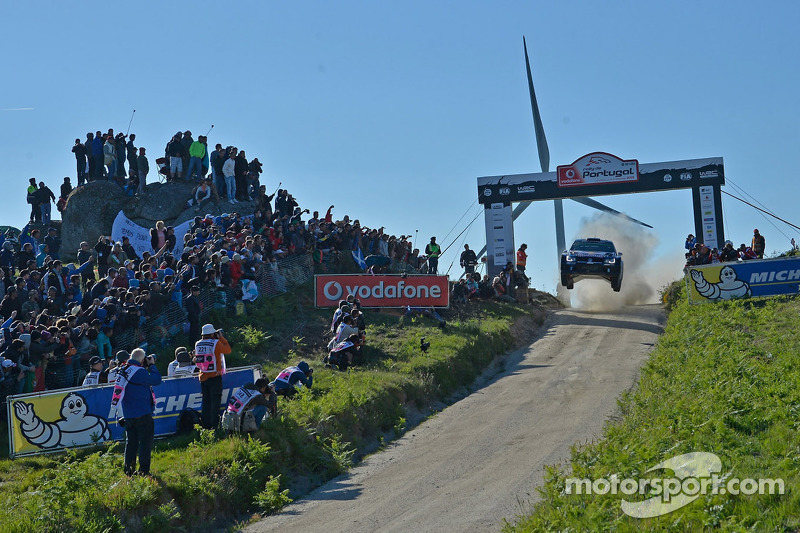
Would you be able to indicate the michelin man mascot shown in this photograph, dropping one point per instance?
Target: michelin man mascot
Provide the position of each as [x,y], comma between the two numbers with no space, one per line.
[728,288]
[76,426]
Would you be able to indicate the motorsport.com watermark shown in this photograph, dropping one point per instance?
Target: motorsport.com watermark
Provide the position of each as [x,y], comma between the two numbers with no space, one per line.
[696,474]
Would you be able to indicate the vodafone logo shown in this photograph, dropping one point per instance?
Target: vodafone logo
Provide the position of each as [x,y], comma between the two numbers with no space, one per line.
[383,291]
[332,290]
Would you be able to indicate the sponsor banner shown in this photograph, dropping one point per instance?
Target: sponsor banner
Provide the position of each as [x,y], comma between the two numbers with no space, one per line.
[602,180]
[709,216]
[140,237]
[756,278]
[596,169]
[80,416]
[382,291]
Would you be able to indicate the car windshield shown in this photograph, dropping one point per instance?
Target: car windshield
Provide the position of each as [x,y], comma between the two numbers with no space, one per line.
[593,246]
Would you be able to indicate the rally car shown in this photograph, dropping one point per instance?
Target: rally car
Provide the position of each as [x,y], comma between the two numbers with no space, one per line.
[591,258]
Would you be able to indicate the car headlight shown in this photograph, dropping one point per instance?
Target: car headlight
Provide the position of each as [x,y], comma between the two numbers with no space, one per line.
[570,258]
[611,260]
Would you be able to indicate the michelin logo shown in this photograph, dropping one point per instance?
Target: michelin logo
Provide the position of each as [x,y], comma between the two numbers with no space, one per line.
[728,288]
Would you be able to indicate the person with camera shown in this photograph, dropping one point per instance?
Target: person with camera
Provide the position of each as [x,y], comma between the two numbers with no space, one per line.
[209,357]
[287,381]
[133,402]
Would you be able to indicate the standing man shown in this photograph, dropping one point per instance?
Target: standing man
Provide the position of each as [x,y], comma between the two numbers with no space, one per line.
[433,251]
[130,153]
[142,168]
[759,244]
[33,200]
[468,260]
[88,148]
[133,402]
[193,309]
[197,150]
[98,156]
[522,258]
[210,353]
[46,198]
[80,159]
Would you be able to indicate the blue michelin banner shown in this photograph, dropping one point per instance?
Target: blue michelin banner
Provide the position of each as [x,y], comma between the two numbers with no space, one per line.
[754,278]
[65,418]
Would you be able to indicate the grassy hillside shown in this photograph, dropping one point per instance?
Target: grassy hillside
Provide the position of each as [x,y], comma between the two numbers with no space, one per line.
[724,378]
[209,481]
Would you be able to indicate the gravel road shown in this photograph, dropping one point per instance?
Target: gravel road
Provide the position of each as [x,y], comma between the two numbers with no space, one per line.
[480,460]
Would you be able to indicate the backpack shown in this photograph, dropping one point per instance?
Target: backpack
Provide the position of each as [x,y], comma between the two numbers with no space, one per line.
[235,423]
[186,421]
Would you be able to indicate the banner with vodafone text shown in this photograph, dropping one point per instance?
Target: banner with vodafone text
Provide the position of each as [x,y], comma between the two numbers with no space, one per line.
[382,291]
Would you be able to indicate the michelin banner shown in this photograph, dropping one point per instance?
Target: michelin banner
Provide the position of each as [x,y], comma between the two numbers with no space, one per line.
[53,420]
[756,278]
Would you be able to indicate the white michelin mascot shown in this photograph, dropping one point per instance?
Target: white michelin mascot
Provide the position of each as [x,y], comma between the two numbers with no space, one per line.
[75,427]
[729,286]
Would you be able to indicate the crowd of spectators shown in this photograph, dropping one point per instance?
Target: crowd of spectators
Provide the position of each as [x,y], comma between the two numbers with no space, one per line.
[699,254]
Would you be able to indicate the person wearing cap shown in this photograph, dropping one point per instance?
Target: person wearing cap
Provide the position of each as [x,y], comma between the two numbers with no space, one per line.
[522,257]
[115,364]
[290,378]
[258,397]
[210,353]
[433,251]
[759,244]
[182,365]
[197,150]
[133,402]
[95,369]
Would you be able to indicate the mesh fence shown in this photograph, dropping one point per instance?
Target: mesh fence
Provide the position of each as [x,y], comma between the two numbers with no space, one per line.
[171,325]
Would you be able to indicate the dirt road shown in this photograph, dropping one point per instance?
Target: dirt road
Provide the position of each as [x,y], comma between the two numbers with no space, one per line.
[467,468]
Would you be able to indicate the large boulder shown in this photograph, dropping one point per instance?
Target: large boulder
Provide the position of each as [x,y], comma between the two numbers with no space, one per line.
[91,210]
[89,213]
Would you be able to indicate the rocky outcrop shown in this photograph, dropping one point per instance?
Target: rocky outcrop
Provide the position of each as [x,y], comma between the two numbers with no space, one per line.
[91,210]
[89,213]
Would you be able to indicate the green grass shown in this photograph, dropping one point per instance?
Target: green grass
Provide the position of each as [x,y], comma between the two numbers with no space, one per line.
[207,481]
[724,378]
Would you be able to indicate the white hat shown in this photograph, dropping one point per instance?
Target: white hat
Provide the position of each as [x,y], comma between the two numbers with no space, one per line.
[208,329]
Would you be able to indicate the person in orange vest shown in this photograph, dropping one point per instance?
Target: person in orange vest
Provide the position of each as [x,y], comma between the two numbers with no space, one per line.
[210,353]
[522,258]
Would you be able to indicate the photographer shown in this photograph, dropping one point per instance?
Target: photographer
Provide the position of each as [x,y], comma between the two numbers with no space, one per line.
[287,381]
[210,353]
[133,402]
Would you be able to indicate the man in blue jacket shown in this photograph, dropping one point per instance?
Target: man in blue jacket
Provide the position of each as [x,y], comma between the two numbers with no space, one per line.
[133,394]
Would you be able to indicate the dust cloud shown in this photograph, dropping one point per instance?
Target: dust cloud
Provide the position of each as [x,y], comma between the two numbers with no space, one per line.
[642,276]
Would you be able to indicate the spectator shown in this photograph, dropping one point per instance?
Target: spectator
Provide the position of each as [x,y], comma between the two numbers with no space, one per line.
[197,150]
[119,150]
[175,152]
[229,171]
[103,249]
[433,251]
[193,310]
[98,155]
[53,243]
[241,168]
[133,397]
[690,243]
[469,260]
[130,152]
[217,161]
[33,200]
[143,167]
[80,158]
[110,157]
[758,244]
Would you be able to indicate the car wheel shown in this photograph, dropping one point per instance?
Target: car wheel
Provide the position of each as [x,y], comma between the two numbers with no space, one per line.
[616,284]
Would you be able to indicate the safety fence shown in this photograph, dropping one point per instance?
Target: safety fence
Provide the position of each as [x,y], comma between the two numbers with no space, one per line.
[172,326]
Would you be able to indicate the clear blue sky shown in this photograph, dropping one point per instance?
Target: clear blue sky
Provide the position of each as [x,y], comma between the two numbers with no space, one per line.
[391,111]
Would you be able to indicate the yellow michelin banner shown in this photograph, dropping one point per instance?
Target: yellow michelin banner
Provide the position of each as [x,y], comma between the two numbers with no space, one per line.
[743,279]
